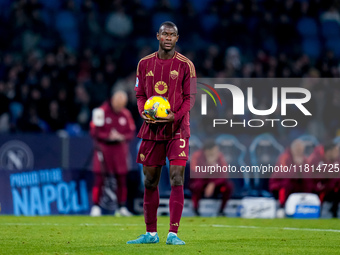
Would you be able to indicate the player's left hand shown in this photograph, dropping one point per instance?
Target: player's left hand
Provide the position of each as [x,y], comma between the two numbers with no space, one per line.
[168,119]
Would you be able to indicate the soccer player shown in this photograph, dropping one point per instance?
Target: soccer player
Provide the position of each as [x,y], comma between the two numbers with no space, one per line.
[112,126]
[169,74]
[282,184]
[210,155]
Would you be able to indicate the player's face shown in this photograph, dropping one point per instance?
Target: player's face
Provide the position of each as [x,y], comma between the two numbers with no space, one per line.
[167,37]
[211,155]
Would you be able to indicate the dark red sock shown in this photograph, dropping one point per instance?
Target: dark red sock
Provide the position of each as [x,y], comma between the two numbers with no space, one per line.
[151,203]
[121,189]
[226,193]
[176,207]
[97,188]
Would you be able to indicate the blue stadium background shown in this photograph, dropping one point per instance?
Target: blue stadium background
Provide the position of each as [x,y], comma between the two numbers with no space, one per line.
[61,59]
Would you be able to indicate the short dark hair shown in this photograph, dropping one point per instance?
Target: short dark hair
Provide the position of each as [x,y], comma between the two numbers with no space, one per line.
[168,24]
[329,145]
[209,144]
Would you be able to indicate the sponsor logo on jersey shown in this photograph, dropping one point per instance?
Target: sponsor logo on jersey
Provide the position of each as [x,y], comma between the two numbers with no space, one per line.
[150,73]
[161,87]
[182,154]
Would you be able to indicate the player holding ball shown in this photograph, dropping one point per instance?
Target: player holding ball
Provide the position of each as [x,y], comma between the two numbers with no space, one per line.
[168,74]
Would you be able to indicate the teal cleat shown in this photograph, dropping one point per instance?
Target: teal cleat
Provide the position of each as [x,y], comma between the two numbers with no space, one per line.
[146,238]
[174,240]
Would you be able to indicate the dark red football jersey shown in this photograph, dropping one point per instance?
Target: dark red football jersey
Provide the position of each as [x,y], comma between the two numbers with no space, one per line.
[174,79]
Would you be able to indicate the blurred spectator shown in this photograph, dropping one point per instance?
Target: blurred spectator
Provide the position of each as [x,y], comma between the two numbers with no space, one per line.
[4,109]
[326,183]
[119,24]
[82,107]
[205,186]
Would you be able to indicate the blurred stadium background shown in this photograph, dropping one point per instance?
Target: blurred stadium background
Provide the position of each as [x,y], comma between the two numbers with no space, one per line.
[61,59]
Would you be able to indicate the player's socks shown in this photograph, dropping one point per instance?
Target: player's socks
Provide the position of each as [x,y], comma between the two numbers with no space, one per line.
[152,233]
[176,203]
[151,203]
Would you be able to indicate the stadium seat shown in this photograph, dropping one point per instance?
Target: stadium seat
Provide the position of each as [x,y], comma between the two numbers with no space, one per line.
[330,29]
[307,27]
[175,3]
[51,4]
[149,4]
[311,47]
[67,26]
[209,22]
[333,44]
[200,5]
[159,18]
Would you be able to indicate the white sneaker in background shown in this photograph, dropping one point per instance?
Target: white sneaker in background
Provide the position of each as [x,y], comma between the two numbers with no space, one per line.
[96,211]
[280,213]
[123,211]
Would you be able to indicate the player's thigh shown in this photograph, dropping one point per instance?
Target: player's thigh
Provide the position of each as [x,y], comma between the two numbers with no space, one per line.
[152,153]
[178,149]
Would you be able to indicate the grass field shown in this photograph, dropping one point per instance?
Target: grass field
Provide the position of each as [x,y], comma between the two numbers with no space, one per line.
[108,235]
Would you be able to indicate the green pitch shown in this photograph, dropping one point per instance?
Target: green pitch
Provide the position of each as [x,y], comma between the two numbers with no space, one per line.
[108,235]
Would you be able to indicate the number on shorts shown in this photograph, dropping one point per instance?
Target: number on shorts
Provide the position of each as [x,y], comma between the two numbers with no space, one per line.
[183,145]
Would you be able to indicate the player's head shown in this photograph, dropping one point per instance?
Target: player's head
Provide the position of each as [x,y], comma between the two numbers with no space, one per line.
[119,100]
[211,151]
[167,35]
[297,149]
[331,150]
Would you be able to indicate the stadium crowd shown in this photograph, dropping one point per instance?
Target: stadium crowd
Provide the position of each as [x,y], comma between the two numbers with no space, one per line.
[60,59]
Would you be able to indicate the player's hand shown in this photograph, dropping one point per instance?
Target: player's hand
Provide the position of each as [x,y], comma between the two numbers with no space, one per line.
[209,190]
[116,136]
[168,119]
[147,119]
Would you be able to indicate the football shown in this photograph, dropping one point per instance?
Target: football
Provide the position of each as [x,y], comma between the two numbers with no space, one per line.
[156,106]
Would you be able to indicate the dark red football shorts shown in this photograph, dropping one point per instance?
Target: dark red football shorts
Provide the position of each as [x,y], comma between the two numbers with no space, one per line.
[152,153]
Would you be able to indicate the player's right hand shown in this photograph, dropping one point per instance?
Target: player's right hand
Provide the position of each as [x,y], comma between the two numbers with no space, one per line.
[147,119]
[209,190]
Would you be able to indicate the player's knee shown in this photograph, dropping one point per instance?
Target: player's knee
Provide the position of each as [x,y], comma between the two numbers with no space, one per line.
[150,184]
[176,180]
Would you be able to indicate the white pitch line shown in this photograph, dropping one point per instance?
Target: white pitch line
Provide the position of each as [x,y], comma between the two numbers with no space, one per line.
[202,225]
[65,224]
[278,228]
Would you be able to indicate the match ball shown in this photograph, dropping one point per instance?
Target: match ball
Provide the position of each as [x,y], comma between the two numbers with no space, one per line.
[156,106]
